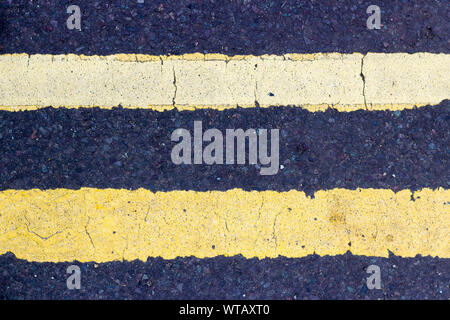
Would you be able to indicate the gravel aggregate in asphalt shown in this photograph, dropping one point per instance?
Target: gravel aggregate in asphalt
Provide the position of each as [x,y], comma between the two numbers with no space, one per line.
[129,148]
[230,27]
[312,277]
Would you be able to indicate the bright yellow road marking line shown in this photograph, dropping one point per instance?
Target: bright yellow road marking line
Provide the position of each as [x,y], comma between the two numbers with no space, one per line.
[314,81]
[105,225]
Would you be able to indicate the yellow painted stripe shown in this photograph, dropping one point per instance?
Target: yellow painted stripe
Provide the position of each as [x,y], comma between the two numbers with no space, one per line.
[104,225]
[314,81]
[311,108]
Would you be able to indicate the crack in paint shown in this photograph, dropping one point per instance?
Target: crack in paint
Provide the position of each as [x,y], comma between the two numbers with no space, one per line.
[36,234]
[87,232]
[274,236]
[175,85]
[363,80]
[255,93]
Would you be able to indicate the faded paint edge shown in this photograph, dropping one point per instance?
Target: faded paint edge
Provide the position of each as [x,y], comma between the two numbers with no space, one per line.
[197,56]
[162,108]
[116,224]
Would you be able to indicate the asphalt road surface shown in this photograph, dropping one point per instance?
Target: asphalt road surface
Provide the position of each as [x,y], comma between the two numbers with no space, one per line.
[122,148]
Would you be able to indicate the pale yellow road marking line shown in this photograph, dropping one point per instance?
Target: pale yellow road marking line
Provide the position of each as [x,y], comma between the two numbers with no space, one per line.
[314,81]
[311,108]
[105,225]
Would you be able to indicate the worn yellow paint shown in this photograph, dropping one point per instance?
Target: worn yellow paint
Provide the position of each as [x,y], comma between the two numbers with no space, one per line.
[419,77]
[105,225]
[161,108]
[313,81]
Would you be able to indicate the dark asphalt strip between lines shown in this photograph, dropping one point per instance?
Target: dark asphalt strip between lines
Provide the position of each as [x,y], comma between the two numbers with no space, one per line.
[238,27]
[312,277]
[125,148]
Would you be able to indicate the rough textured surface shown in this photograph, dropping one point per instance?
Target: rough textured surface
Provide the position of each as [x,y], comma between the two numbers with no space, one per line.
[404,149]
[312,277]
[344,82]
[125,148]
[235,27]
[106,225]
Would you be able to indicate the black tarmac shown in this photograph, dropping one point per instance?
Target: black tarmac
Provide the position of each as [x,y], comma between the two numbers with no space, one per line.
[312,277]
[131,148]
[230,27]
[121,148]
